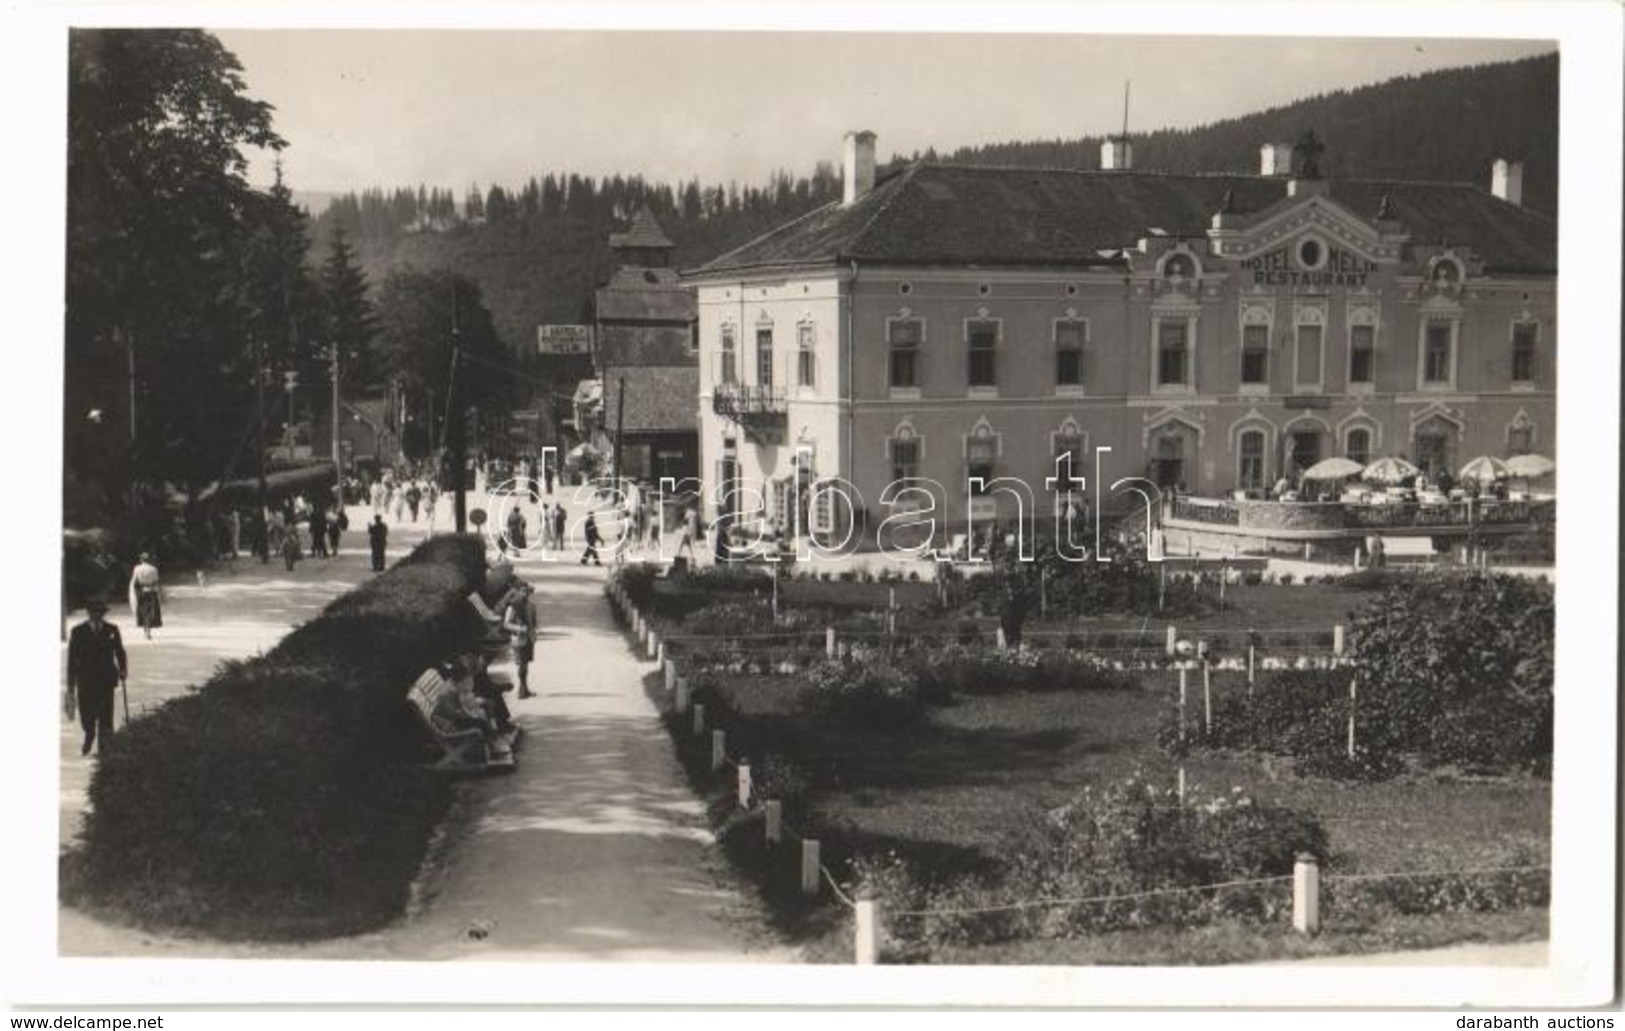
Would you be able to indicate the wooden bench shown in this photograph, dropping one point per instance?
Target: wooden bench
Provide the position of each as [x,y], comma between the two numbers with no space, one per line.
[463,750]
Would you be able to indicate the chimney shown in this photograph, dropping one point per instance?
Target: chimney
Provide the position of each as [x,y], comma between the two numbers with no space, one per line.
[1116,154]
[1275,159]
[1506,180]
[858,166]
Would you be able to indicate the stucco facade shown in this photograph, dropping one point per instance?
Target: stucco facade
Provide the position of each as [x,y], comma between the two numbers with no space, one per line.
[1213,359]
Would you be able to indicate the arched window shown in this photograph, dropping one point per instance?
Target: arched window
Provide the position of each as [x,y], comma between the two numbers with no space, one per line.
[1358,446]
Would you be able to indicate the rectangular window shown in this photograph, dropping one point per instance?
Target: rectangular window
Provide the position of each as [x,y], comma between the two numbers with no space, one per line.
[903,339]
[979,455]
[806,355]
[1069,354]
[1523,351]
[1436,353]
[982,337]
[728,371]
[1255,355]
[764,357]
[1308,365]
[1251,470]
[905,459]
[1172,345]
[1362,354]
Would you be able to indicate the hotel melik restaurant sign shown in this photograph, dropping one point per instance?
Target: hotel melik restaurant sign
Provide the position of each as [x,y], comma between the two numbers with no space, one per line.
[1335,267]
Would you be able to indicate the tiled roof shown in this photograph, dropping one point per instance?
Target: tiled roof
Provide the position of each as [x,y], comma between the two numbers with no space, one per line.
[644,231]
[969,215]
[644,345]
[658,399]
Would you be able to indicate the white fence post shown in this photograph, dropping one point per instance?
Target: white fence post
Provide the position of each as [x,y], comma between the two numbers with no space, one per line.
[1207,698]
[682,695]
[1354,686]
[1251,659]
[744,784]
[1182,674]
[671,674]
[1000,641]
[1337,639]
[866,948]
[809,867]
[1181,784]
[719,749]
[699,718]
[1306,894]
[829,642]
[774,818]
[653,645]
[1173,640]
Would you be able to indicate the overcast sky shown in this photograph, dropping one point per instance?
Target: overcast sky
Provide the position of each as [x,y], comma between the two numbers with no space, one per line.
[450,108]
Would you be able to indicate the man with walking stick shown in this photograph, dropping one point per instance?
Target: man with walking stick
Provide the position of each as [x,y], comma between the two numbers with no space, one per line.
[96,665]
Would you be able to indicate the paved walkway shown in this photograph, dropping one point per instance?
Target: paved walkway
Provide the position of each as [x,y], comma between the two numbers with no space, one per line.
[595,849]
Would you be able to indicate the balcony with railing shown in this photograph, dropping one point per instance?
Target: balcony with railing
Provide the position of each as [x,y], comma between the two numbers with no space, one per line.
[1349,518]
[762,411]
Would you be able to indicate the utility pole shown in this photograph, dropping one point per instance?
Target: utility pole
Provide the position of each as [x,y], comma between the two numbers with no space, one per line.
[259,429]
[338,458]
[620,423]
[454,429]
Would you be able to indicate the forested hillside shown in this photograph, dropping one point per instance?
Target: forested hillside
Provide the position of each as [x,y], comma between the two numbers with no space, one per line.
[537,250]
[1445,126]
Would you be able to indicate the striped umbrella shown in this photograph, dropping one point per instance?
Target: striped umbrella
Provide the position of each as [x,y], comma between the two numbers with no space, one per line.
[1484,469]
[1333,469]
[1530,467]
[1389,471]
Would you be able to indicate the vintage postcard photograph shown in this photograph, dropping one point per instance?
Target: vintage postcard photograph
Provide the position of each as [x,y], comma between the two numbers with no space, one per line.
[1060,510]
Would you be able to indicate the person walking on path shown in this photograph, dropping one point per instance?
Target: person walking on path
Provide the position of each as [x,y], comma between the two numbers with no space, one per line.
[691,531]
[414,498]
[145,596]
[290,547]
[558,526]
[520,619]
[377,538]
[337,523]
[590,530]
[318,532]
[516,527]
[96,666]
[234,531]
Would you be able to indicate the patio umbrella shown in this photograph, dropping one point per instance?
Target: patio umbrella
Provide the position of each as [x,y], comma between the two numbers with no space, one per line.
[1389,471]
[1530,467]
[1484,469]
[1333,469]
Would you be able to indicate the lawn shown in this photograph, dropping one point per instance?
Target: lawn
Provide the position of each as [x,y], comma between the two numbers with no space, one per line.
[947,793]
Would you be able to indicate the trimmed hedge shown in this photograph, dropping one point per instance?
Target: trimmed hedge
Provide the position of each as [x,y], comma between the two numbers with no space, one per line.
[281,799]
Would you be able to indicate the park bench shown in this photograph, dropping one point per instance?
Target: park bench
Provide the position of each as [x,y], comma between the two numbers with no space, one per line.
[466,750]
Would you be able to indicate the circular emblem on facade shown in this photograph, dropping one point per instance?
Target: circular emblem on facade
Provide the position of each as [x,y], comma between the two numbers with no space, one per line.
[1311,253]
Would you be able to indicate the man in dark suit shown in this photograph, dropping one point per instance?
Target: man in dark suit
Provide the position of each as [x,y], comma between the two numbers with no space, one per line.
[96,667]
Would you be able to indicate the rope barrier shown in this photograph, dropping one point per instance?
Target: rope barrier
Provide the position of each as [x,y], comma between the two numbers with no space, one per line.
[1041,903]
[836,887]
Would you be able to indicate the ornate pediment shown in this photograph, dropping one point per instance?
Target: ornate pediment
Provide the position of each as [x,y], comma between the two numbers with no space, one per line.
[1306,241]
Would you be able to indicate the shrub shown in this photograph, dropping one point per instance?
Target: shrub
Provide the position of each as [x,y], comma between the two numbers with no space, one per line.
[941,673]
[279,799]
[1458,669]
[1131,840]
[866,691]
[723,619]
